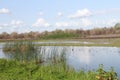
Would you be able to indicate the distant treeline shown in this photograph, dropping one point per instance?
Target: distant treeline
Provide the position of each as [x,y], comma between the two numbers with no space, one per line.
[66,34]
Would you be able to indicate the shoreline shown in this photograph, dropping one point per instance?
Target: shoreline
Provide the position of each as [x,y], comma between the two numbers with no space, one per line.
[112,42]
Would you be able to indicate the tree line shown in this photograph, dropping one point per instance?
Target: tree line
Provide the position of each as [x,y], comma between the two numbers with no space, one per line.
[58,33]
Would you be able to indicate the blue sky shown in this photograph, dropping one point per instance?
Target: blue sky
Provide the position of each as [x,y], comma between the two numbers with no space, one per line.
[41,15]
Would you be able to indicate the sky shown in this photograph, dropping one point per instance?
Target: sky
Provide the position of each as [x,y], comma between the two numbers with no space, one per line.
[41,15]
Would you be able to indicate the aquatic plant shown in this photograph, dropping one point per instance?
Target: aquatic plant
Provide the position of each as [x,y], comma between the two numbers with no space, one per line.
[101,74]
[22,50]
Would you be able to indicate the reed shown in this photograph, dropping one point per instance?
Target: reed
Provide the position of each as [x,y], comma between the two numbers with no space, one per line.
[22,50]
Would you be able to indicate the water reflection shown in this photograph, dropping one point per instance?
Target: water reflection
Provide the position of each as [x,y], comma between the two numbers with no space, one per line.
[90,57]
[81,57]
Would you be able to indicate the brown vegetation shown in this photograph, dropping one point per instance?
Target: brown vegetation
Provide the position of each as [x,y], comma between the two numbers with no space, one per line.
[106,32]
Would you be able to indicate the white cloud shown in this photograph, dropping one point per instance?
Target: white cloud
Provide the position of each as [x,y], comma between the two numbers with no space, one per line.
[4,25]
[17,23]
[40,13]
[107,11]
[62,24]
[41,22]
[0,27]
[81,13]
[105,23]
[86,22]
[4,11]
[113,22]
[67,24]
[12,24]
[60,14]
[86,13]
[81,23]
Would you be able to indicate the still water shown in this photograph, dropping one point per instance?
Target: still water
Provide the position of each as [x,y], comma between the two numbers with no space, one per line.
[87,58]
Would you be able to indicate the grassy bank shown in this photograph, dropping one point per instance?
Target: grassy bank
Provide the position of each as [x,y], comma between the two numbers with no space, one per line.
[110,42]
[15,70]
[78,44]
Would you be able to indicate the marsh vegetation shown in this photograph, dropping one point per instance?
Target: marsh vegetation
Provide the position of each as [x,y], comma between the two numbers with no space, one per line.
[27,61]
[13,69]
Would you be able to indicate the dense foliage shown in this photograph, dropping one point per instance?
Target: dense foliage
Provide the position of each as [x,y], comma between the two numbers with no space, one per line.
[68,33]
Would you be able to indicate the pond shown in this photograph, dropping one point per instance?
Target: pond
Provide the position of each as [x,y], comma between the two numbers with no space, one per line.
[87,58]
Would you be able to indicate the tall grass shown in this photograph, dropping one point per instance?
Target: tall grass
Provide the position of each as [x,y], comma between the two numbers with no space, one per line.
[15,70]
[22,50]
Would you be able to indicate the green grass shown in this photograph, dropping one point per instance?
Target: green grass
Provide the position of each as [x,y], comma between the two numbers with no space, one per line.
[59,36]
[112,42]
[15,70]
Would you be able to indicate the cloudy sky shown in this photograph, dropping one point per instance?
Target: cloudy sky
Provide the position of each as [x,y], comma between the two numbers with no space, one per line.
[41,15]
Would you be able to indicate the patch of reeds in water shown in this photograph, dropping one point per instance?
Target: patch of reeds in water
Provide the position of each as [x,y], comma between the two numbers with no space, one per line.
[22,50]
[21,46]
[27,51]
